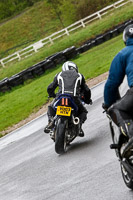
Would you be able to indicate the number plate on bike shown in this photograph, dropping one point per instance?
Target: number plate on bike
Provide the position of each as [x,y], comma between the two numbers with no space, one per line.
[62,110]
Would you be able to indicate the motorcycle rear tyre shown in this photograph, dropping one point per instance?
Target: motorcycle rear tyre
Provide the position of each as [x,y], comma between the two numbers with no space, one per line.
[60,139]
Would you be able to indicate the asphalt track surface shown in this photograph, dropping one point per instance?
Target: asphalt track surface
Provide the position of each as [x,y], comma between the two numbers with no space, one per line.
[31,170]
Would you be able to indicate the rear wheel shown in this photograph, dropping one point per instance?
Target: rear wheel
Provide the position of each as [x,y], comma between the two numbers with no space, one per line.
[60,137]
[126,176]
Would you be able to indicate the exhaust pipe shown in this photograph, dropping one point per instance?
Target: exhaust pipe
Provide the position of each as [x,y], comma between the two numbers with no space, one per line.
[76,120]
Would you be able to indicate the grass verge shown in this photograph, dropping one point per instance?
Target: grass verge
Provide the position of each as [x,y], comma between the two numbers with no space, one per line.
[23,100]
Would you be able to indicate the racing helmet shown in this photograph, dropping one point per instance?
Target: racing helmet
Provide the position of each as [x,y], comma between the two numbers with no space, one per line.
[69,65]
[128,33]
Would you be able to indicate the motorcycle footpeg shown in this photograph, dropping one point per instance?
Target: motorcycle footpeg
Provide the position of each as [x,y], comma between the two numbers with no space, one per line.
[114,146]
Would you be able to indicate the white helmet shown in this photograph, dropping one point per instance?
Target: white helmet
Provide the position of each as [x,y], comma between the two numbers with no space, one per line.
[69,66]
[128,32]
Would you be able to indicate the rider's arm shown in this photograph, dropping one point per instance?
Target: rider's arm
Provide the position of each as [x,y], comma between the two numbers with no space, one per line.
[51,88]
[115,78]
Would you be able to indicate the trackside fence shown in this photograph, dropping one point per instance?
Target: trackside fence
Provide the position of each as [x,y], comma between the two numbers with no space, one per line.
[21,54]
[58,58]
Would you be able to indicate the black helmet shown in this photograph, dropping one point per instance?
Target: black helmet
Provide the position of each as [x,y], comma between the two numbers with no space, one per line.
[69,66]
[128,32]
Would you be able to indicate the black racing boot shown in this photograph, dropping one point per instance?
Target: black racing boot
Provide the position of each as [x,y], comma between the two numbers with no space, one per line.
[127,128]
[127,150]
[50,126]
[124,129]
[81,132]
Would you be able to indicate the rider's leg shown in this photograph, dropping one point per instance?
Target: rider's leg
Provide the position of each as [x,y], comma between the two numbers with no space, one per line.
[82,117]
[82,114]
[117,117]
[121,114]
[50,114]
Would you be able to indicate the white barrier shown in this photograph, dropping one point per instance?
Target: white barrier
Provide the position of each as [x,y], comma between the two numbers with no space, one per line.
[66,31]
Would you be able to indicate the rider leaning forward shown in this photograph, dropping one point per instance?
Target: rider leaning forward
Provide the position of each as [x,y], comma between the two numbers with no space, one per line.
[121,109]
[71,82]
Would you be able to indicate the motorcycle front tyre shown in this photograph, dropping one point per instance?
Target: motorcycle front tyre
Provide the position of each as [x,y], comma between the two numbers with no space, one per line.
[126,177]
[60,138]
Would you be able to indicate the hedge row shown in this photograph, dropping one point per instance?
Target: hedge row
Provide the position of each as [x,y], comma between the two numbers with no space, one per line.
[58,58]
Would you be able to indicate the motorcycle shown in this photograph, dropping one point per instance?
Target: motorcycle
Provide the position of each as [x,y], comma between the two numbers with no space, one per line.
[119,142]
[66,123]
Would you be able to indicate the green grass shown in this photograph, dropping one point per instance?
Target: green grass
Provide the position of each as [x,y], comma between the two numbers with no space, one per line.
[30,26]
[23,100]
[77,38]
